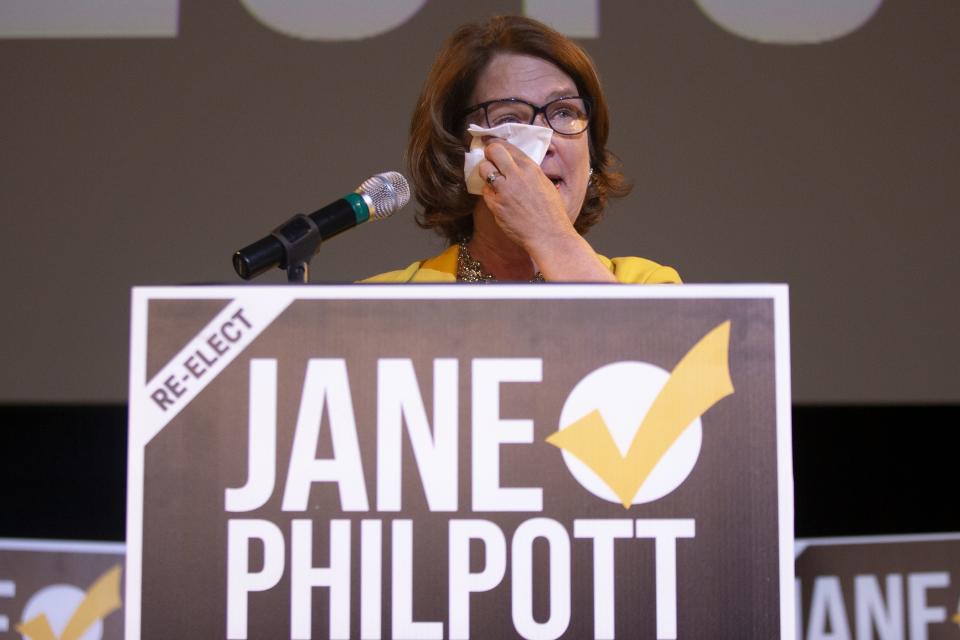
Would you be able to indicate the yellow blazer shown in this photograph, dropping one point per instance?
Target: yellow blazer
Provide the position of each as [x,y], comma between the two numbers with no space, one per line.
[443,268]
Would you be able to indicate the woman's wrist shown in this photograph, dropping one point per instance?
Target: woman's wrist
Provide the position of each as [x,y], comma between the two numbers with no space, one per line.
[568,258]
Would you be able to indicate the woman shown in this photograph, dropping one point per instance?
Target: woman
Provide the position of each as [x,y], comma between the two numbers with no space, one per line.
[528,223]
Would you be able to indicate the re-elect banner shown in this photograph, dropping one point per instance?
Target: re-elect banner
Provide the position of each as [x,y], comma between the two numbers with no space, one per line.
[437,461]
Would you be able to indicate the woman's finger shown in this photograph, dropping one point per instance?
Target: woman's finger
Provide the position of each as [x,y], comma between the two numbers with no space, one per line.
[498,154]
[489,171]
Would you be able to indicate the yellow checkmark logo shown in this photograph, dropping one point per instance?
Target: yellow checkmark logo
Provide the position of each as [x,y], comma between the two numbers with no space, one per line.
[101,599]
[700,380]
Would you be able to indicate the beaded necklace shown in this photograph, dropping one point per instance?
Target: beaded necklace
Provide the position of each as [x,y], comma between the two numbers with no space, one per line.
[470,270]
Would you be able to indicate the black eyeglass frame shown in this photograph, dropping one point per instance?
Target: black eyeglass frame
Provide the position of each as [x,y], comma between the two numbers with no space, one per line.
[587,104]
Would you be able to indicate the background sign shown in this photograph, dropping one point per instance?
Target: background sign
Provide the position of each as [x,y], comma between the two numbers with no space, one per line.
[893,587]
[61,590]
[428,462]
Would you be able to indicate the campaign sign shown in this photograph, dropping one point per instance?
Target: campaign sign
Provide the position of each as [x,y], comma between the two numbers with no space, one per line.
[437,461]
[61,589]
[904,587]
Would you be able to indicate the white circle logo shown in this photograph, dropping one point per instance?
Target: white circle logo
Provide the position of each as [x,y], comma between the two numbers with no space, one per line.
[58,602]
[622,393]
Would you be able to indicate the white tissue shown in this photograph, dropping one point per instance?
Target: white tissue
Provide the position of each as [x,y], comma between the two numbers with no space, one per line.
[530,139]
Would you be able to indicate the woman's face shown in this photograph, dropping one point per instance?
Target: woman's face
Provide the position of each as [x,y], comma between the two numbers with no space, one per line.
[537,81]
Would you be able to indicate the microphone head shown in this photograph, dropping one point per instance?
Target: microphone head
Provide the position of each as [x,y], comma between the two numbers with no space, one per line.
[384,193]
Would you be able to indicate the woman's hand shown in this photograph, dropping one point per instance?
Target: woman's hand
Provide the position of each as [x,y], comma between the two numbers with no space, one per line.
[529,210]
[524,202]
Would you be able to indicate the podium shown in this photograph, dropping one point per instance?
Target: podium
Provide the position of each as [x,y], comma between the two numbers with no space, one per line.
[442,461]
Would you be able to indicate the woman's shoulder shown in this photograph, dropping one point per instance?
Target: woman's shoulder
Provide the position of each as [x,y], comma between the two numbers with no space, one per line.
[398,275]
[441,268]
[634,270]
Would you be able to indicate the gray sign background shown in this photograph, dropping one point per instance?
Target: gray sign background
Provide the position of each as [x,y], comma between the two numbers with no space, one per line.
[44,565]
[728,575]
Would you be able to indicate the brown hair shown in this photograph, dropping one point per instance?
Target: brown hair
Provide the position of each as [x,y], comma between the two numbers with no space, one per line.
[436,148]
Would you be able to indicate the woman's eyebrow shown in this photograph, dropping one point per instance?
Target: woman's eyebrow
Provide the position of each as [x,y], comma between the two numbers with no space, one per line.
[563,93]
[553,95]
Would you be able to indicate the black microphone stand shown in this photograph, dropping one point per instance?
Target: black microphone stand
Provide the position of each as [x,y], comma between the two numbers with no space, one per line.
[301,239]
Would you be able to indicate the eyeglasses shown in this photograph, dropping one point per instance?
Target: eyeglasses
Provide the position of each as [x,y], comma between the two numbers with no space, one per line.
[569,115]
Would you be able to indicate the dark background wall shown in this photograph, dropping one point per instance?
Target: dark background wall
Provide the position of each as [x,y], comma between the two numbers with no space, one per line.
[857,470]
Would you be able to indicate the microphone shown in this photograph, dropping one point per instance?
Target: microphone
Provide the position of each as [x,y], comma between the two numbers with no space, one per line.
[298,239]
